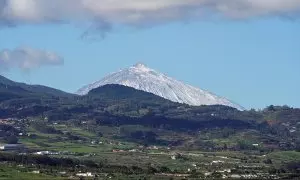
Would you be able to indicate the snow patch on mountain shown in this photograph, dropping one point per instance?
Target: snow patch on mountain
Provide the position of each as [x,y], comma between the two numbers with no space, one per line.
[143,78]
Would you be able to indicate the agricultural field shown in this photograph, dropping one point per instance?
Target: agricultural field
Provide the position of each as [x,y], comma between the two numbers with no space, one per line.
[109,152]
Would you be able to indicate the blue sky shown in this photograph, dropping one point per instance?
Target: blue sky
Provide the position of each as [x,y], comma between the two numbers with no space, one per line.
[253,62]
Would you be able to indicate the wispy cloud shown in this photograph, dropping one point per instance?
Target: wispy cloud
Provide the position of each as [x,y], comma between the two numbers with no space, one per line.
[26,58]
[104,14]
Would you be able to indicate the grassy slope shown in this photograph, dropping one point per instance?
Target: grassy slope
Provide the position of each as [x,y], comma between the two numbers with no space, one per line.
[15,173]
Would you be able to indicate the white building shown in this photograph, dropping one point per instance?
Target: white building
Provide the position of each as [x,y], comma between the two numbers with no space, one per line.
[88,174]
[12,147]
[217,162]
[46,153]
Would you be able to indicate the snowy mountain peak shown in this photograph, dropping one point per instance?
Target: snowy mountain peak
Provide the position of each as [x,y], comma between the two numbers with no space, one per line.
[143,78]
[141,67]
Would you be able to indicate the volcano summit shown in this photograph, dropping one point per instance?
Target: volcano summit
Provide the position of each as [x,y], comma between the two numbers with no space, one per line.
[146,79]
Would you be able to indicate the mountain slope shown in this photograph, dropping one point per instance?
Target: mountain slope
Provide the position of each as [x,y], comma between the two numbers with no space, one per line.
[120,92]
[124,100]
[143,78]
[15,89]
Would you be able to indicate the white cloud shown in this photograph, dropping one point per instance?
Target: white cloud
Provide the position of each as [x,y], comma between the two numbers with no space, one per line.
[26,58]
[106,13]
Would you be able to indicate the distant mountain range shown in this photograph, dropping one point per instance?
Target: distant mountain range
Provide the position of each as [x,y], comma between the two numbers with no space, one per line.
[116,105]
[138,77]
[143,78]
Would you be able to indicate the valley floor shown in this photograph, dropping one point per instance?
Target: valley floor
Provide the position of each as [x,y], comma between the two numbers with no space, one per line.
[74,152]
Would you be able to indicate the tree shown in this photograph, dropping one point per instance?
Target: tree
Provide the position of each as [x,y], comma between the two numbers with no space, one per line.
[11,139]
[268,161]
[270,108]
[225,147]
[150,136]
[243,145]
[216,175]
[99,134]
[297,148]
[164,169]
